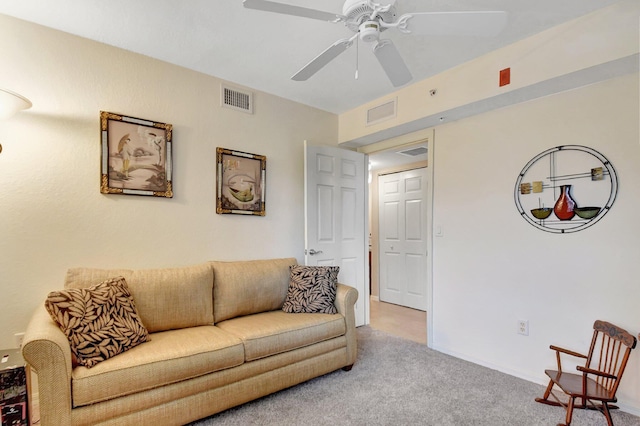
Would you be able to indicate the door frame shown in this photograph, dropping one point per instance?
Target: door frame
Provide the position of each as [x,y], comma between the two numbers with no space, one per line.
[420,137]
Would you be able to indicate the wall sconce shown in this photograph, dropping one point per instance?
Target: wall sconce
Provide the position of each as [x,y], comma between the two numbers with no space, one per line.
[10,103]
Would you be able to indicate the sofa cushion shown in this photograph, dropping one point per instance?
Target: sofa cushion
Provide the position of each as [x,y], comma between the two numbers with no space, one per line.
[100,321]
[274,332]
[312,289]
[167,298]
[169,357]
[249,287]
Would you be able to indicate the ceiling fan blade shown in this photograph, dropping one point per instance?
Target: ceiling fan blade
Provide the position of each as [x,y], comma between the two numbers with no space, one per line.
[392,63]
[323,59]
[287,9]
[479,23]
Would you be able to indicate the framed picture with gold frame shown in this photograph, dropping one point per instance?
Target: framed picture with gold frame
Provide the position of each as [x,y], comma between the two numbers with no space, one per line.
[241,182]
[136,156]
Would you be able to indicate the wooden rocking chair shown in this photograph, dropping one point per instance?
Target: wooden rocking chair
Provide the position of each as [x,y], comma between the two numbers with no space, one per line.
[600,376]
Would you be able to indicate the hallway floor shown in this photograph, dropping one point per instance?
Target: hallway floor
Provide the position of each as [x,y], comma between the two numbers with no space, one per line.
[400,321]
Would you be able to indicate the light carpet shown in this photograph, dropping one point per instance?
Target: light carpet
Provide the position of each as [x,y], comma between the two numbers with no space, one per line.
[400,382]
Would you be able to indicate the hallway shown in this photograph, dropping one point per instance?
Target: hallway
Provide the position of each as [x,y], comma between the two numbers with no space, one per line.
[400,321]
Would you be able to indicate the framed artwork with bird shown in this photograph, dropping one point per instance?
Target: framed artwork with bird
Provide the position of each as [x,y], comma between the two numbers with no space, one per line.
[136,156]
[240,185]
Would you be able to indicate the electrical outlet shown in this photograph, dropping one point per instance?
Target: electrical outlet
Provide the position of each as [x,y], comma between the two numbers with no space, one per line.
[19,337]
[523,327]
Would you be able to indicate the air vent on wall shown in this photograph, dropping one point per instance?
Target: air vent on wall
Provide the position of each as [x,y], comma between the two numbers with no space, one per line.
[235,99]
[414,151]
[381,112]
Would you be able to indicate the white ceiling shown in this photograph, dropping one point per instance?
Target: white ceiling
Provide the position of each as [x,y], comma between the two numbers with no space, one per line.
[263,50]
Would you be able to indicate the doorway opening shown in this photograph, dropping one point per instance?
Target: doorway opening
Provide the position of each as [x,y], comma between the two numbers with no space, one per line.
[390,315]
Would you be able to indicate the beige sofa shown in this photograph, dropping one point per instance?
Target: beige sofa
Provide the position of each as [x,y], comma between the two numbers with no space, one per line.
[218,339]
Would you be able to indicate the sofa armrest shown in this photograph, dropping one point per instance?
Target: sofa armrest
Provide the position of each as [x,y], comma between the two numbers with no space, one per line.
[346,298]
[46,349]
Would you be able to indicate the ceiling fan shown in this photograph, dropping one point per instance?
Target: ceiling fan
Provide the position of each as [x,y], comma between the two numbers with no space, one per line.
[368,19]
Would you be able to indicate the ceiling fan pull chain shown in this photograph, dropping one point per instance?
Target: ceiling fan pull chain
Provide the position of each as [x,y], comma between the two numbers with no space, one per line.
[357,55]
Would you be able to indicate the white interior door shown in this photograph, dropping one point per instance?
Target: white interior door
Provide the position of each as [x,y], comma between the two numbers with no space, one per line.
[403,238]
[336,218]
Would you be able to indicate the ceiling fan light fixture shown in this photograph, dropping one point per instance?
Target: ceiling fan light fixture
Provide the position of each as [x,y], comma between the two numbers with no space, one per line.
[368,18]
[369,31]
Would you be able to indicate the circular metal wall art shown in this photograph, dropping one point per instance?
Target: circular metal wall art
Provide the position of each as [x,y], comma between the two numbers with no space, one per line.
[566,189]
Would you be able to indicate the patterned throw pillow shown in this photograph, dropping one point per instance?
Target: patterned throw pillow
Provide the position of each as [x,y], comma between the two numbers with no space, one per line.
[312,289]
[100,321]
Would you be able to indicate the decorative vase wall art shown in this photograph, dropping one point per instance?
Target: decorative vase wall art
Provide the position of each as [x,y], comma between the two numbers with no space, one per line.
[564,207]
[566,189]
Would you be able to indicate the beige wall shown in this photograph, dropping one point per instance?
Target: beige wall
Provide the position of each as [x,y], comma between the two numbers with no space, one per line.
[53,216]
[492,268]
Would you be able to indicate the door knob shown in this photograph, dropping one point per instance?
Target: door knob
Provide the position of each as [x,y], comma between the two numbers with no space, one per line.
[312,252]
